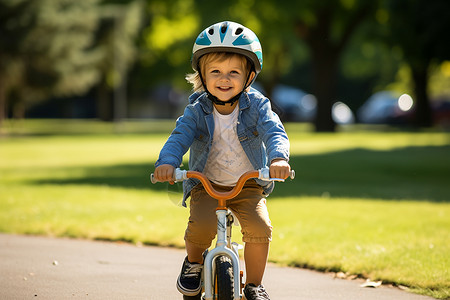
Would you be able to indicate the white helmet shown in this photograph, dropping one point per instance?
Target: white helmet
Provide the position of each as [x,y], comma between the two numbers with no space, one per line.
[228,37]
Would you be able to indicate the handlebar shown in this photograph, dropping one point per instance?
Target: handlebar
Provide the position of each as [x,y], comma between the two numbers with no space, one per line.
[263,174]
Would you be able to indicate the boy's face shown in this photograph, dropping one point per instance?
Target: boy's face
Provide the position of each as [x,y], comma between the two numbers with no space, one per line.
[225,79]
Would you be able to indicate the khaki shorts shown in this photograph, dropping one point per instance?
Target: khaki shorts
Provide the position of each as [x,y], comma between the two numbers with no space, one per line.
[249,207]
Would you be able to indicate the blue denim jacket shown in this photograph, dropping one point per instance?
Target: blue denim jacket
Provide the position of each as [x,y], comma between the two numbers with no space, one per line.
[259,130]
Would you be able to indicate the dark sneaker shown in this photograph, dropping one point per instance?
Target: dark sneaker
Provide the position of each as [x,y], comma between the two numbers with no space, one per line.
[253,292]
[189,281]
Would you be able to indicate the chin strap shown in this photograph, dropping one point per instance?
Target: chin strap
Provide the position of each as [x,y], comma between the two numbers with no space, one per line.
[215,100]
[220,102]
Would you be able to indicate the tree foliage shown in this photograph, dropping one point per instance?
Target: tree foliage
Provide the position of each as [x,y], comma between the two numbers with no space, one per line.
[326,27]
[284,28]
[56,48]
[115,38]
[420,28]
[45,50]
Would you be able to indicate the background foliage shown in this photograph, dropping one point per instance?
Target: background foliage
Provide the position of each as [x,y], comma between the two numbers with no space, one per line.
[115,52]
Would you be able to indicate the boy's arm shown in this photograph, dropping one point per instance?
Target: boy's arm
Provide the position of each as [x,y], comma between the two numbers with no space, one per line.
[179,140]
[275,137]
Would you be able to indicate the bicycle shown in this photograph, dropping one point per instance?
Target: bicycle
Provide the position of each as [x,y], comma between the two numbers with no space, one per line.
[221,264]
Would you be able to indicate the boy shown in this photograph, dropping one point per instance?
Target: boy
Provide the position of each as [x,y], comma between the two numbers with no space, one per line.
[229,129]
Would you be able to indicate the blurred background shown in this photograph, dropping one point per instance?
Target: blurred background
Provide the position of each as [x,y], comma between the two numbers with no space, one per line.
[327,62]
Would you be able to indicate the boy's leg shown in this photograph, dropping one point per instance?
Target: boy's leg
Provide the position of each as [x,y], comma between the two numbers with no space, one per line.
[194,252]
[202,225]
[198,236]
[255,256]
[251,210]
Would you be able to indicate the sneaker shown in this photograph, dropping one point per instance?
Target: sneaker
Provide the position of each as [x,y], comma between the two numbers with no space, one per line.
[189,281]
[253,292]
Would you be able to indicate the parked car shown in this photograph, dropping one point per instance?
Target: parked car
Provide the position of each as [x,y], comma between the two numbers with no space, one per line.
[386,107]
[294,105]
[441,112]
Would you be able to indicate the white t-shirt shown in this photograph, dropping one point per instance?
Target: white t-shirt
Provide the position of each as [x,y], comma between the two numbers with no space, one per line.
[227,160]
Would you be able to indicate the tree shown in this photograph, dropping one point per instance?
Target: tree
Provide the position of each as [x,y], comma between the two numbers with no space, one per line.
[58,48]
[45,49]
[166,42]
[115,37]
[326,27]
[284,27]
[420,29]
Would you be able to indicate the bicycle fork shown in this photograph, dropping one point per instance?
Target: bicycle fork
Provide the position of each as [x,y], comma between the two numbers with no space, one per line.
[221,249]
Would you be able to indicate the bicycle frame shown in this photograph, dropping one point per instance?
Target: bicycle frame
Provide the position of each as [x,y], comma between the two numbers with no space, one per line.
[222,248]
[223,244]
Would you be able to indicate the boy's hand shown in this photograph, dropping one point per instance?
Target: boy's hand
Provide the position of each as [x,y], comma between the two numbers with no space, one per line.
[279,168]
[164,173]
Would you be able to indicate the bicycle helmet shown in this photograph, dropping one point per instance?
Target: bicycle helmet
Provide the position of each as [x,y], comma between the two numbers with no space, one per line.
[228,37]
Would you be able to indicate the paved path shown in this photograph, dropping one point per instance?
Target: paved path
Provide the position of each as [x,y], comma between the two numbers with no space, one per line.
[48,268]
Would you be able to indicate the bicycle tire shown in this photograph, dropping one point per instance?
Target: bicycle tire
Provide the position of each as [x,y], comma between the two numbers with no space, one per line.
[197,297]
[223,279]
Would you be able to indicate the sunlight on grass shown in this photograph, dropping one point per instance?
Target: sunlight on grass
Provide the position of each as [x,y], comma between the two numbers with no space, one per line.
[400,241]
[88,150]
[370,203]
[94,212]
[316,143]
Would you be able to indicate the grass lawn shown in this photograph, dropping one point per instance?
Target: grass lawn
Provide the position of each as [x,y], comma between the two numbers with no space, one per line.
[370,203]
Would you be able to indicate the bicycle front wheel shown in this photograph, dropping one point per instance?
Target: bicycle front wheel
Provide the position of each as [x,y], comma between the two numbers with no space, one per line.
[197,297]
[223,279]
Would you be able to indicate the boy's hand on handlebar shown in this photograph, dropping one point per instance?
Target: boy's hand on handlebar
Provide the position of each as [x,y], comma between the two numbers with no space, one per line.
[279,168]
[164,173]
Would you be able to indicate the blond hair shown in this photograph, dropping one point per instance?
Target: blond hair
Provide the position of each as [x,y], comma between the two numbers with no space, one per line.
[196,80]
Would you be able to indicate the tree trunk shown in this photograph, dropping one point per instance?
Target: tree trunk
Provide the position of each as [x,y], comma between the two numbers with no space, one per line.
[325,57]
[104,103]
[326,52]
[18,110]
[3,111]
[325,63]
[423,114]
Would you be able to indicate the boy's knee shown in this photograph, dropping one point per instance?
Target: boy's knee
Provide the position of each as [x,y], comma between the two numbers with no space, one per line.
[257,233]
[200,233]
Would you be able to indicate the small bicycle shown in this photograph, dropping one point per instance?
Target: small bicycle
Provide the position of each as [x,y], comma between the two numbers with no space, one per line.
[222,277]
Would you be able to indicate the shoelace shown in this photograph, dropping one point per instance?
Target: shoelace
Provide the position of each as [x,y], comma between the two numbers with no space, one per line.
[259,293]
[193,270]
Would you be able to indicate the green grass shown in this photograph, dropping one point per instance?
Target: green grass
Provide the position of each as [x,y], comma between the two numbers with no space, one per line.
[370,203]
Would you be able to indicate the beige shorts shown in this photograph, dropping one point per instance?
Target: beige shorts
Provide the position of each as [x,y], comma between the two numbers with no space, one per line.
[249,207]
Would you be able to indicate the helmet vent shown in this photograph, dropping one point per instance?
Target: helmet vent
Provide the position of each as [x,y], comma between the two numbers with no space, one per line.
[211,31]
[224,27]
[239,31]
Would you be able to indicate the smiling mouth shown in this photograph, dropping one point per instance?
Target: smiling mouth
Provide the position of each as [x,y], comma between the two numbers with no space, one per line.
[224,88]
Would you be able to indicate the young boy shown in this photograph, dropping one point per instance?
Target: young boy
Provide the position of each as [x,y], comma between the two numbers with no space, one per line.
[229,129]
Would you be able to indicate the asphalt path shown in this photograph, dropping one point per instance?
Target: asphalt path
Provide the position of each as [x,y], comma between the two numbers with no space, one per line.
[53,268]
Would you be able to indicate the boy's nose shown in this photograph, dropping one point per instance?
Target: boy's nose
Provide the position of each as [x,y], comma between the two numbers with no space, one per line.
[225,77]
